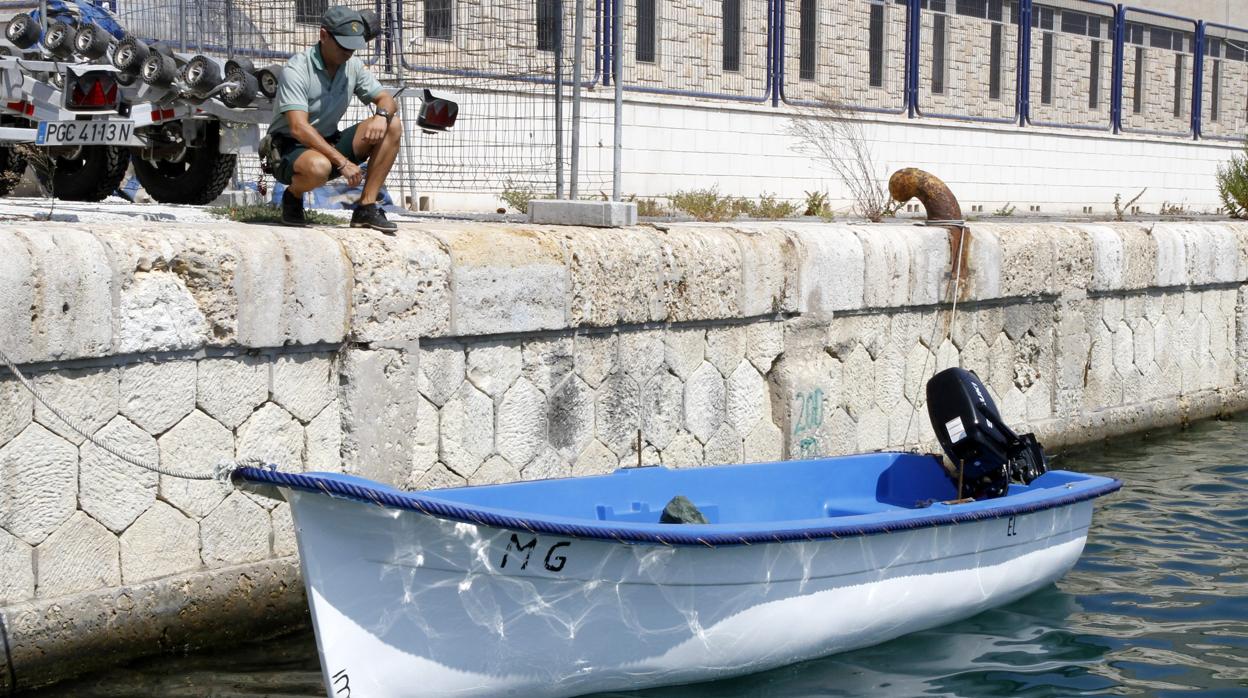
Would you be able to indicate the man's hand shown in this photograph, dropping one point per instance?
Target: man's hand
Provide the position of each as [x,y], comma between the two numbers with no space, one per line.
[351,172]
[374,129]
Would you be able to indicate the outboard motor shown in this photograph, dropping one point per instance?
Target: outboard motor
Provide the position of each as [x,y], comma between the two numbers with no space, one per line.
[971,431]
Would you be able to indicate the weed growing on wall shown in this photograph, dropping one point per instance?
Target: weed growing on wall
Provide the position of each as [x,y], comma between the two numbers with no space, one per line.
[831,135]
[706,204]
[768,207]
[1120,211]
[1233,185]
[817,204]
[518,196]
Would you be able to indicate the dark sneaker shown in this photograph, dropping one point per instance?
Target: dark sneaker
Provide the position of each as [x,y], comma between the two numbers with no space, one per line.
[292,210]
[371,216]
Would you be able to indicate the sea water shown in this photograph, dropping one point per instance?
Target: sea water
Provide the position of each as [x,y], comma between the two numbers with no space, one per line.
[1157,606]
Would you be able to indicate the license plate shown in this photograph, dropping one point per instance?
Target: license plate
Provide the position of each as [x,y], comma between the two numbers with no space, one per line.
[86,133]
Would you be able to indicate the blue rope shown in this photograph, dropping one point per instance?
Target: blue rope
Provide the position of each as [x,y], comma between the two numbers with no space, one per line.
[455,512]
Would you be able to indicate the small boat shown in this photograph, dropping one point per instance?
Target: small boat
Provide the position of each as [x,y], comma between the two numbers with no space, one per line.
[651,576]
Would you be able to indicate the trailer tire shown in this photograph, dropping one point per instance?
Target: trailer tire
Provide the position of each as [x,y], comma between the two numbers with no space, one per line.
[159,70]
[129,55]
[95,173]
[22,31]
[59,39]
[92,41]
[243,95]
[12,167]
[242,63]
[198,179]
[202,74]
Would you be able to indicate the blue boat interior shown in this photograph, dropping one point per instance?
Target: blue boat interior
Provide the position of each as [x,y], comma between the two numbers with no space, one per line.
[843,486]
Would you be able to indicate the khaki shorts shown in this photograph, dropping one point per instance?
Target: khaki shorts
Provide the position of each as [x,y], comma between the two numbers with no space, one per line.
[291,149]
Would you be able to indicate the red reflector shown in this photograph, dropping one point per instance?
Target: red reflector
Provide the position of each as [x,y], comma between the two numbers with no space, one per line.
[15,106]
[30,109]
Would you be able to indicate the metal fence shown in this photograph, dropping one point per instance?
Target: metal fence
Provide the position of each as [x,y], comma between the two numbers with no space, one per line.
[1072,64]
[968,60]
[1159,65]
[1225,107]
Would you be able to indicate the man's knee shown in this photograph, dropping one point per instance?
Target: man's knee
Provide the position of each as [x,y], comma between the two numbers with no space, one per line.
[395,129]
[313,164]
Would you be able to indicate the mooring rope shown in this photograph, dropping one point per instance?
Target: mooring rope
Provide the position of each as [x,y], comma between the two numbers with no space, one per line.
[952,288]
[221,471]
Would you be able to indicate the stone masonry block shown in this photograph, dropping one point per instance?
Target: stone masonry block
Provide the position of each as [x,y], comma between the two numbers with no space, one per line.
[684,350]
[237,531]
[596,356]
[746,398]
[890,377]
[438,477]
[70,313]
[285,541]
[641,353]
[873,430]
[724,447]
[858,387]
[684,451]
[764,341]
[769,270]
[401,288]
[40,474]
[1026,260]
[17,297]
[1108,260]
[725,347]
[704,402]
[522,423]
[661,405]
[197,443]
[425,437]
[382,425]
[322,441]
[548,361]
[571,417]
[161,542]
[887,265]
[597,459]
[505,280]
[17,559]
[592,214]
[833,267]
[303,384]
[764,443]
[111,490]
[701,273]
[467,422]
[618,414]
[80,556]
[229,390]
[157,312]
[90,397]
[273,436]
[442,371]
[983,260]
[494,365]
[615,277]
[18,408]
[316,307]
[155,396]
[495,470]
[929,265]
[1171,255]
[548,464]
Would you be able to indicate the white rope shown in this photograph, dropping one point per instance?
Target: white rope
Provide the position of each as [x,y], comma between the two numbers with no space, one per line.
[221,471]
[952,289]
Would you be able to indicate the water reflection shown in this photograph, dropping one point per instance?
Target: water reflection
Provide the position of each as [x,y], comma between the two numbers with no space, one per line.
[1157,606]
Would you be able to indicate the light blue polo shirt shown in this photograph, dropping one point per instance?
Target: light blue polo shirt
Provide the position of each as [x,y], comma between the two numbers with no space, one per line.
[306,86]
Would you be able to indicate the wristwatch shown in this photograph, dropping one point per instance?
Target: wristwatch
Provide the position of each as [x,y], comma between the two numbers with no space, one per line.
[386,114]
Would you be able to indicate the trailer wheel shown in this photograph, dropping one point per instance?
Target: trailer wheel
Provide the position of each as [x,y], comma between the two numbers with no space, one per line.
[197,178]
[159,70]
[59,41]
[244,93]
[129,55]
[12,166]
[92,41]
[242,63]
[270,79]
[202,74]
[22,31]
[90,175]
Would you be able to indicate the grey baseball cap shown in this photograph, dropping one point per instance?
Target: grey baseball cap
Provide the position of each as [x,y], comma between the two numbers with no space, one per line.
[346,25]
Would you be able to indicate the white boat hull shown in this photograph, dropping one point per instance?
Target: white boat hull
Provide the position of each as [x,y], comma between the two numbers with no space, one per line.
[406,604]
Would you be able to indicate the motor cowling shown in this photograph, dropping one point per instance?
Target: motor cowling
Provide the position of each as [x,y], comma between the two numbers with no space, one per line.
[970,429]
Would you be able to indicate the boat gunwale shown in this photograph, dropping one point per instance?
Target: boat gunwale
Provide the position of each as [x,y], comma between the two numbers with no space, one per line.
[683,535]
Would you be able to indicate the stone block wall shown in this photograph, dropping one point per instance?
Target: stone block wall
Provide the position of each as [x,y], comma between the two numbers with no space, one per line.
[472,353]
[1070,101]
[1232,87]
[843,60]
[1157,109]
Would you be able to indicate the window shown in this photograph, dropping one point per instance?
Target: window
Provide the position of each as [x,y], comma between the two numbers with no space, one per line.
[1094,77]
[310,11]
[647,29]
[732,35]
[994,63]
[547,25]
[1137,97]
[808,48]
[1215,91]
[876,45]
[438,19]
[1046,69]
[939,39]
[1179,67]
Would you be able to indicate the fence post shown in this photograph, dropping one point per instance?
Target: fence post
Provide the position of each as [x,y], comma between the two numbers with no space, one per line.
[1119,71]
[1198,79]
[1023,77]
[914,34]
[617,155]
[578,47]
[608,42]
[775,56]
[558,99]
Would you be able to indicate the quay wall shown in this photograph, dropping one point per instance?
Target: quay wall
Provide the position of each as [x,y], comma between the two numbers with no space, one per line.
[469,353]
